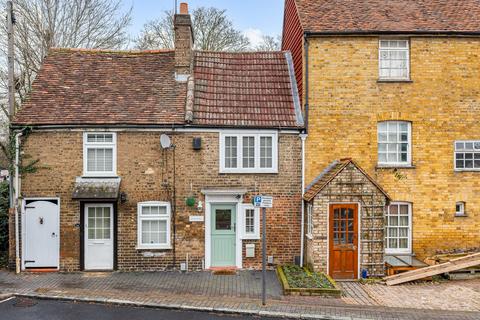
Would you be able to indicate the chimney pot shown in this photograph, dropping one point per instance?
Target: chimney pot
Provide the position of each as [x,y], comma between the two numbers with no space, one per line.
[183,8]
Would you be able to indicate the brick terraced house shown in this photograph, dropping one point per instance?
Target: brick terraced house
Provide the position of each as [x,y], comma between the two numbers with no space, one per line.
[395,86]
[149,160]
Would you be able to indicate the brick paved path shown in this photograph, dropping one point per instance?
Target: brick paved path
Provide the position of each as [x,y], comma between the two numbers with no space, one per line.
[239,293]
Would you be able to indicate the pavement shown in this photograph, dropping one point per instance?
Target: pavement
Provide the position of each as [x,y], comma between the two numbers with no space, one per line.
[240,294]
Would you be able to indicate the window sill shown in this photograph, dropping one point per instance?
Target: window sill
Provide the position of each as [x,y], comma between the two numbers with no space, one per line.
[309,236]
[143,248]
[102,176]
[394,81]
[251,238]
[385,166]
[248,172]
[466,170]
[461,215]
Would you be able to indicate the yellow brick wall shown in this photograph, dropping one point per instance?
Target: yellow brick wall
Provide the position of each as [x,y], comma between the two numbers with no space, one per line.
[443,104]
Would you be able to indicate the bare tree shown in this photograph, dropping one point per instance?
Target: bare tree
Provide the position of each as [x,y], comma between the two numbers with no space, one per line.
[212,30]
[43,24]
[269,43]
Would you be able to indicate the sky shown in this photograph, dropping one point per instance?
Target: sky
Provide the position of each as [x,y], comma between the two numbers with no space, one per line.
[254,18]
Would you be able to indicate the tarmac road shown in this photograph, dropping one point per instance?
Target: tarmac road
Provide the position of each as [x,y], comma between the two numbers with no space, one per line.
[33,309]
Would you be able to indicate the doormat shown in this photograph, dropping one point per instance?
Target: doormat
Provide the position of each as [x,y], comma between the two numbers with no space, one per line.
[225,272]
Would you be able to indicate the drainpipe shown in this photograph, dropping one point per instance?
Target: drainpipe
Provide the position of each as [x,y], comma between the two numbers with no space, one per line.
[15,200]
[303,136]
[305,45]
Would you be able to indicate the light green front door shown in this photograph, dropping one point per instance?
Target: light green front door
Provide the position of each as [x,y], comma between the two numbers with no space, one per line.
[223,237]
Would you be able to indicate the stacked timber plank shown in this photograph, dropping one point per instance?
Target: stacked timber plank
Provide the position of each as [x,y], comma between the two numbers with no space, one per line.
[452,265]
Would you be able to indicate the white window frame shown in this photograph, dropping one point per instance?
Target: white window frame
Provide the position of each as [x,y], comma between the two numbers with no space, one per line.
[474,151]
[256,169]
[462,212]
[309,232]
[408,163]
[99,145]
[388,49]
[166,217]
[255,235]
[407,250]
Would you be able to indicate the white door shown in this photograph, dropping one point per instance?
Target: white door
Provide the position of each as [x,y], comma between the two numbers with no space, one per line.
[98,237]
[41,234]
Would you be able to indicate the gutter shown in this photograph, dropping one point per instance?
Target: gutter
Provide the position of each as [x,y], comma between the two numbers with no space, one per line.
[303,136]
[15,201]
[377,32]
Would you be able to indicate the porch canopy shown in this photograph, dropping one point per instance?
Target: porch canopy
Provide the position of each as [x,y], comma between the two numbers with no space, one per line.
[96,188]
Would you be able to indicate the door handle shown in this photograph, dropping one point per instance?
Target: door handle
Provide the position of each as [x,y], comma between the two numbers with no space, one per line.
[234,227]
[54,235]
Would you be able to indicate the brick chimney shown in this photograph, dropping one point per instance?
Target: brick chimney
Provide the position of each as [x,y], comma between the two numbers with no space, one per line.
[183,44]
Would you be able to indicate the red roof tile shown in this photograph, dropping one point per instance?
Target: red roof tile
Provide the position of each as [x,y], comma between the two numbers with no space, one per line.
[255,89]
[101,87]
[364,16]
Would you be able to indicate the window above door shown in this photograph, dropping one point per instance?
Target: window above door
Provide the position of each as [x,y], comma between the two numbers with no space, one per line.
[248,152]
[99,154]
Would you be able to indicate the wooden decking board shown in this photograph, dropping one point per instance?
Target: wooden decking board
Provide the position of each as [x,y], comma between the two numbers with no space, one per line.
[452,265]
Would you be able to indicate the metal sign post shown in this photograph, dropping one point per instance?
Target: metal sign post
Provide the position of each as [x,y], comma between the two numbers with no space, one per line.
[264,255]
[264,202]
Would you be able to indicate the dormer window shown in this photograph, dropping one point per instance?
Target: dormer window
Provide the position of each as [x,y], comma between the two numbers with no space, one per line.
[394,60]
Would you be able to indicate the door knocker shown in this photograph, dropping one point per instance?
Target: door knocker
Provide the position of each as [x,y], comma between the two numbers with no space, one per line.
[40,220]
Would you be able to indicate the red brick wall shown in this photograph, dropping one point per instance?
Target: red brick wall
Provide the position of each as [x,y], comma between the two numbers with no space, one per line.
[292,39]
[147,175]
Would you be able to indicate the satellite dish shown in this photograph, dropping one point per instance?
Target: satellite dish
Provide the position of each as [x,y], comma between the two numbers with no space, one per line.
[165,141]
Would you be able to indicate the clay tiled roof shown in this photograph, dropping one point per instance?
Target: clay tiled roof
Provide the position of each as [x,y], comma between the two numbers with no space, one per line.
[327,175]
[100,87]
[245,89]
[370,16]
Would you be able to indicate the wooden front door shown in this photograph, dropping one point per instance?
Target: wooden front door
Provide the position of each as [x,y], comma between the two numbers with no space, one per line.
[343,245]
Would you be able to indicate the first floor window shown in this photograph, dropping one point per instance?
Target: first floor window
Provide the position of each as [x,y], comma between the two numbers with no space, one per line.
[251,221]
[153,225]
[309,220]
[394,143]
[248,153]
[398,233]
[99,154]
[467,155]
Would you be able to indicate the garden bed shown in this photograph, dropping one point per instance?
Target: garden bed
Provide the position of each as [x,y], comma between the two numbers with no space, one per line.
[299,281]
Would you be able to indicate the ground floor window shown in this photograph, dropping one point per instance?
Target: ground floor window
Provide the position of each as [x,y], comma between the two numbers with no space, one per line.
[398,222]
[153,225]
[251,222]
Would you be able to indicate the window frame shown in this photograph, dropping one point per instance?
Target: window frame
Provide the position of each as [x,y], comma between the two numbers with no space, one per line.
[463,212]
[470,151]
[256,222]
[407,250]
[257,136]
[160,217]
[380,49]
[387,164]
[99,145]
[309,232]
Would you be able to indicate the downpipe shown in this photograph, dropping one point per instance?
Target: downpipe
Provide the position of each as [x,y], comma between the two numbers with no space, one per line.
[15,201]
[303,136]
